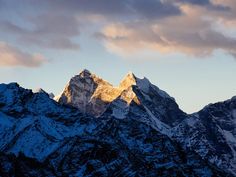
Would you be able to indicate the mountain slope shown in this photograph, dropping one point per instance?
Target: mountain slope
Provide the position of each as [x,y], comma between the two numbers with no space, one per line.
[156,102]
[211,133]
[40,137]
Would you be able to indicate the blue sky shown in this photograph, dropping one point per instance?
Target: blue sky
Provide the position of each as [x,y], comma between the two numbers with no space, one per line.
[186,48]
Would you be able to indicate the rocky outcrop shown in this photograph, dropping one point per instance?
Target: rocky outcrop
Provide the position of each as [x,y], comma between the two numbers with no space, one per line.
[89,93]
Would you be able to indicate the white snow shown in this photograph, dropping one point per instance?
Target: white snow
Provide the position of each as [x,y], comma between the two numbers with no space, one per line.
[38,90]
[157,124]
[33,144]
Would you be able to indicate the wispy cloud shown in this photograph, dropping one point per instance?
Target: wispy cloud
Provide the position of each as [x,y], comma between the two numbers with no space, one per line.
[12,56]
[57,24]
[192,33]
[185,26]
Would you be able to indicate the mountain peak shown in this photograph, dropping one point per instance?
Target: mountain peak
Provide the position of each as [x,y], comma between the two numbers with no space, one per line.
[91,94]
[85,73]
[39,90]
[131,74]
[129,80]
[85,90]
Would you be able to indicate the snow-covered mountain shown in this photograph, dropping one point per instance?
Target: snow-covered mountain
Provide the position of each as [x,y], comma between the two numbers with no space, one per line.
[211,133]
[95,129]
[89,93]
[92,95]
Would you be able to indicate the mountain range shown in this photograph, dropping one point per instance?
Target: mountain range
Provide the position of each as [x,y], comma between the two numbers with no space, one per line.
[95,129]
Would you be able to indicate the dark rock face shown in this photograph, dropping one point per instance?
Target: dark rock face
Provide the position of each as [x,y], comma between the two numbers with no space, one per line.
[211,133]
[150,136]
[20,166]
[163,107]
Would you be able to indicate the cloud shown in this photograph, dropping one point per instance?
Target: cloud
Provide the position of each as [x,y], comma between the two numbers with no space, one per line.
[209,4]
[192,27]
[192,33]
[11,56]
[56,24]
[155,9]
[47,31]
[119,9]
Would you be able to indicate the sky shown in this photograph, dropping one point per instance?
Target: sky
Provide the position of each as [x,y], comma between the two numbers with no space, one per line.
[185,47]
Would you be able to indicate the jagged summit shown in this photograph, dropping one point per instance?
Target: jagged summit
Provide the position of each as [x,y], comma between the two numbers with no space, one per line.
[91,94]
[42,91]
[87,76]
[128,80]
[39,90]
[11,85]
[132,125]
[85,72]
[88,93]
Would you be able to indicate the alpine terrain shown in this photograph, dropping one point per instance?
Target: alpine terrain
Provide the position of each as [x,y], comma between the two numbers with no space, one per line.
[95,129]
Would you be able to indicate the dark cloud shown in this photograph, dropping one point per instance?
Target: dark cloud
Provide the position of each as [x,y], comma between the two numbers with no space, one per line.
[198,2]
[150,8]
[47,30]
[154,9]
[207,3]
[104,7]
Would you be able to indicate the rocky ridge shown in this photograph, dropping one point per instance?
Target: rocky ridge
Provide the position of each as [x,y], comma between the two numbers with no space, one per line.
[213,138]
[96,129]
